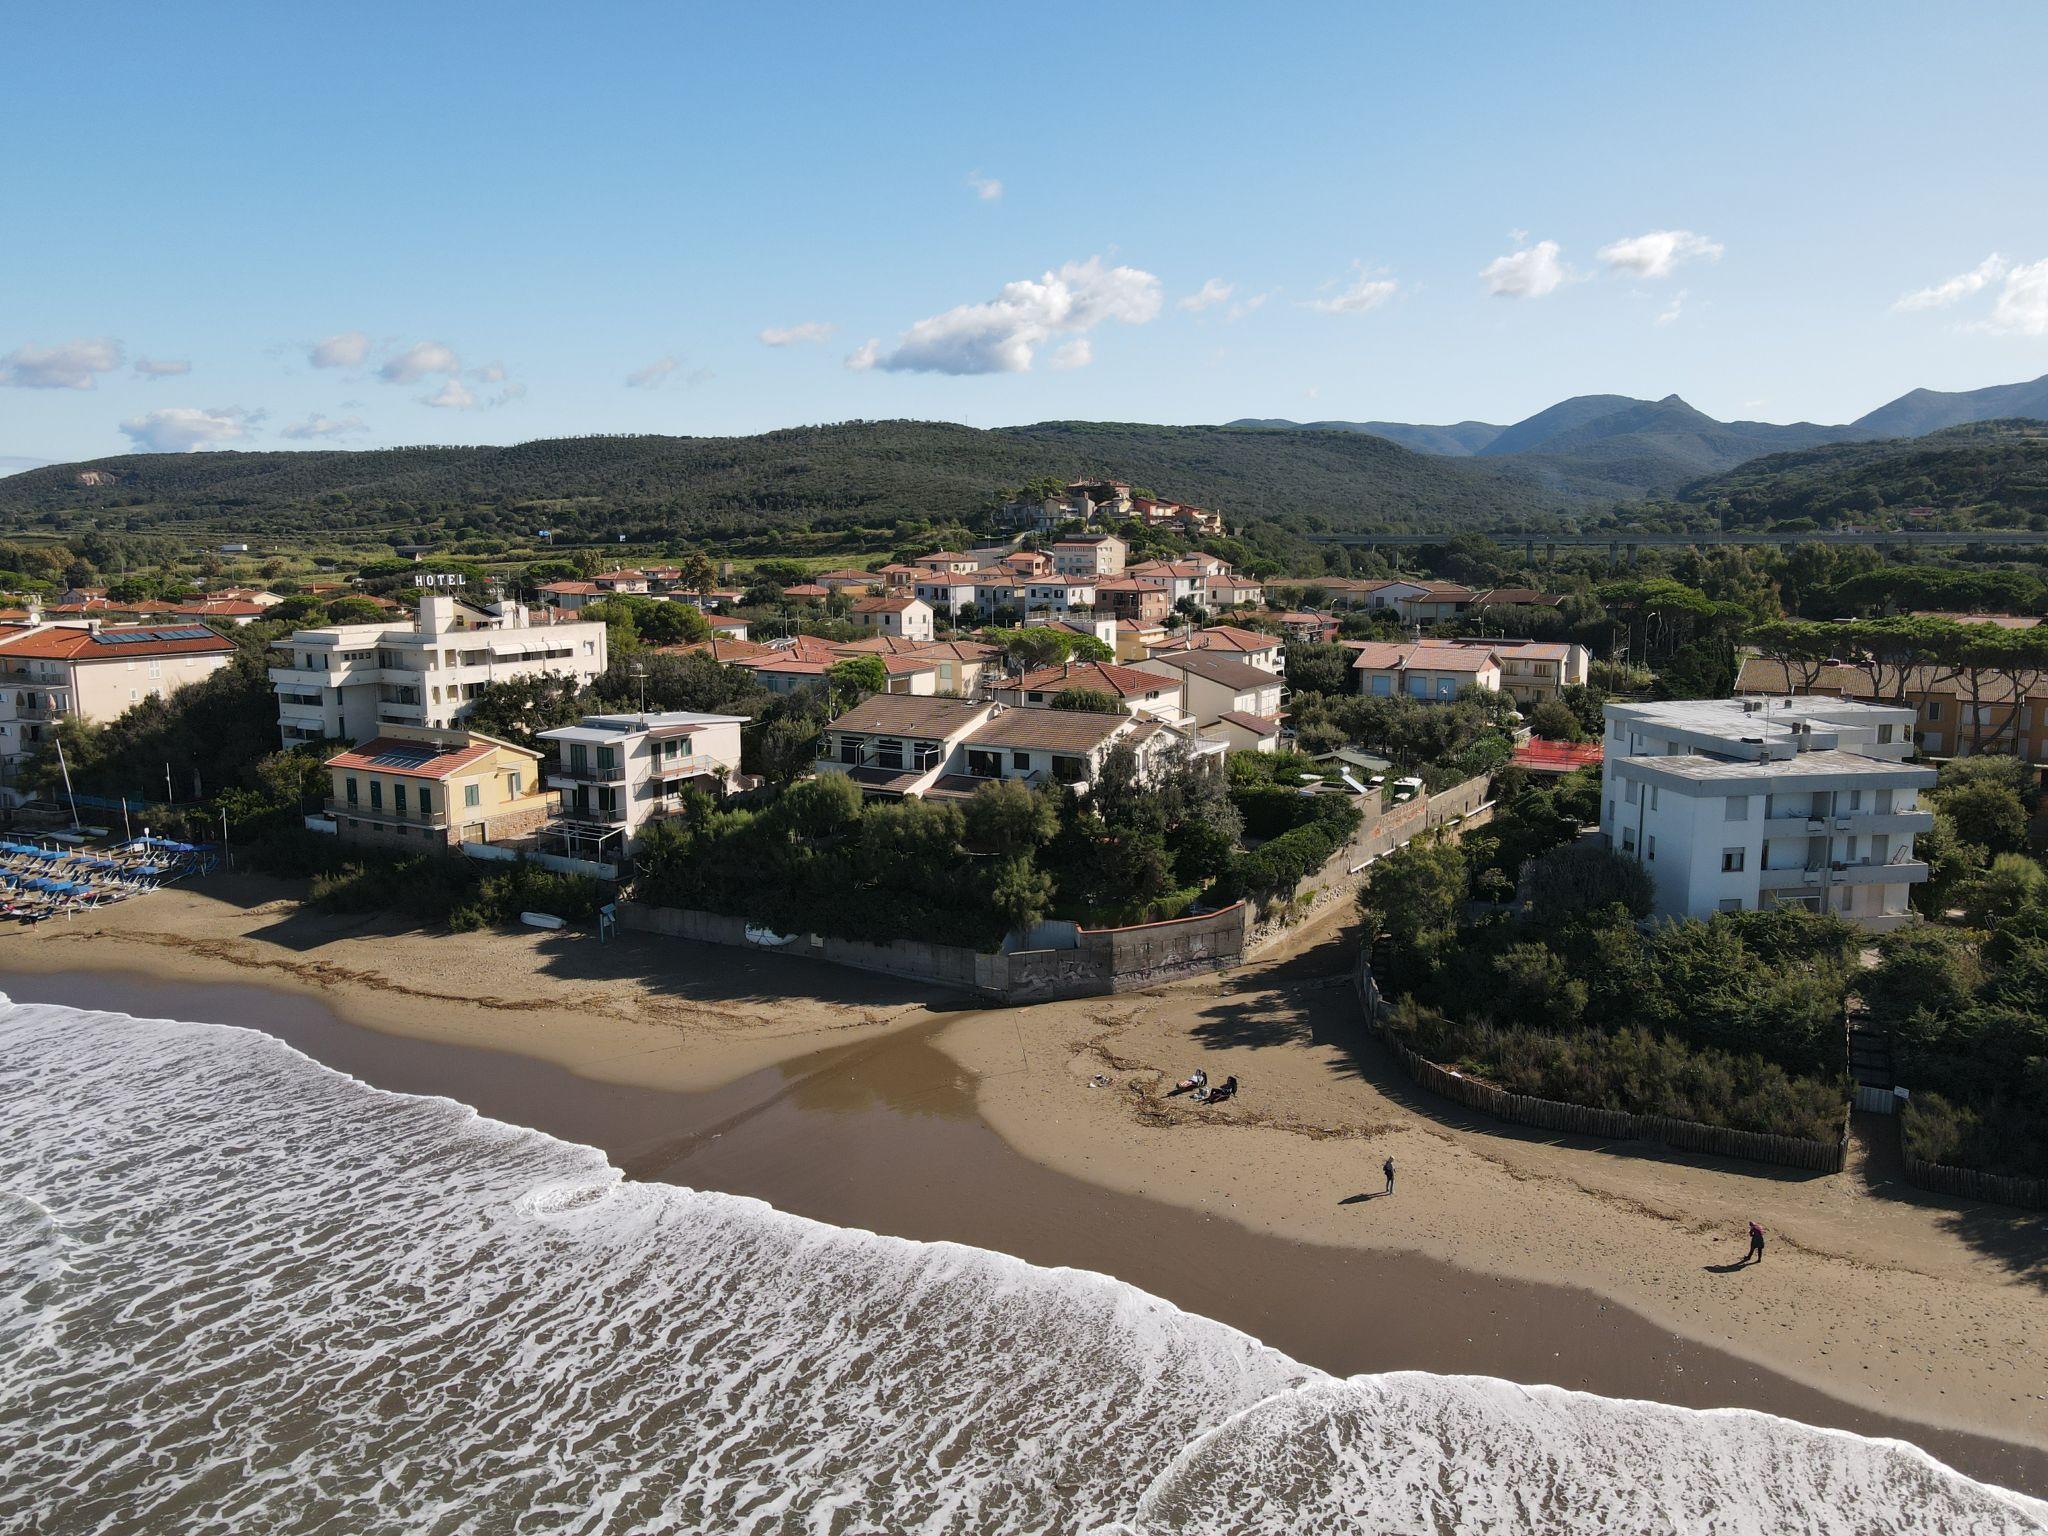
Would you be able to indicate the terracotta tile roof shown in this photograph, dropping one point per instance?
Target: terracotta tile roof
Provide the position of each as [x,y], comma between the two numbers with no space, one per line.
[719,648]
[806,589]
[572,588]
[1520,597]
[1537,650]
[118,643]
[221,607]
[1387,656]
[1048,730]
[414,759]
[716,622]
[1103,677]
[1216,667]
[1228,637]
[883,604]
[910,715]
[1258,725]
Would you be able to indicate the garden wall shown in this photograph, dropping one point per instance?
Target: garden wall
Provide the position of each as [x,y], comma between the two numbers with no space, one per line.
[1586,1120]
[1100,961]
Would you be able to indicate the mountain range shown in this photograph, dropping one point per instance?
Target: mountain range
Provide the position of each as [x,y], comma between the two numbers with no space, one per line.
[1616,445]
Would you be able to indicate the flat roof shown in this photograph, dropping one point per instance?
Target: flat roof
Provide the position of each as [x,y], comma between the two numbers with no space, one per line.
[608,728]
[1696,769]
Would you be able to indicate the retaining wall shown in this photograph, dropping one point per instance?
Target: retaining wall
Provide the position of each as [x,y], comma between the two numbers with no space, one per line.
[1587,1120]
[1101,961]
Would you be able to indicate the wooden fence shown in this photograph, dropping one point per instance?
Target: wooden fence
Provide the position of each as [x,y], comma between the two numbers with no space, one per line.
[1969,1184]
[1585,1120]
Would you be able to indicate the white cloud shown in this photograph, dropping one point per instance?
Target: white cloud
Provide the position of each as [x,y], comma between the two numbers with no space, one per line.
[796,335]
[344,349]
[453,395]
[1526,274]
[987,188]
[1078,353]
[154,368]
[417,362]
[318,426]
[651,375]
[1367,292]
[68,365]
[181,428]
[508,394]
[1213,292]
[1245,307]
[490,373]
[2022,307]
[1003,335]
[1670,313]
[1961,286]
[862,357]
[1659,252]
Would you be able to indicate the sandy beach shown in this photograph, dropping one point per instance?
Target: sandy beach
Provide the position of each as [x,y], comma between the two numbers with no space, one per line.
[1046,1132]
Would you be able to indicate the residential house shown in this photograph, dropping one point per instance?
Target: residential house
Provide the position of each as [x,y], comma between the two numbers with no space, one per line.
[1157,694]
[1732,805]
[1140,602]
[1216,684]
[730,628]
[1423,669]
[849,581]
[50,672]
[1090,555]
[1097,625]
[1533,671]
[229,612]
[1517,597]
[571,595]
[1437,601]
[352,681]
[897,577]
[1136,638]
[892,747]
[1025,563]
[1056,594]
[1229,591]
[1181,580]
[721,648]
[617,773]
[904,618]
[806,592]
[948,562]
[1948,722]
[1266,652]
[1318,628]
[420,787]
[946,593]
[623,583]
[958,666]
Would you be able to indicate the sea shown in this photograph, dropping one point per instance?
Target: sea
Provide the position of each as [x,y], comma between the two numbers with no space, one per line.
[243,1293]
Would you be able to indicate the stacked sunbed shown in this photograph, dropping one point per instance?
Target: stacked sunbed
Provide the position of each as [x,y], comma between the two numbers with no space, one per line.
[38,882]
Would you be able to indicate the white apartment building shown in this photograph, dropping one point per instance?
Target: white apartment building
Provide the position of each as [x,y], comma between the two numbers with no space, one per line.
[616,773]
[347,681]
[1094,554]
[1736,804]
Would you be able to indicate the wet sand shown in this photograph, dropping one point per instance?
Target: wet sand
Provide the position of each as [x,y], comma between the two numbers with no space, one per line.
[887,1133]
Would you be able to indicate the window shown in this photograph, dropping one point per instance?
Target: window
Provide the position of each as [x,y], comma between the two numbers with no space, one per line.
[426,800]
[1610,808]
[1652,855]
[512,786]
[398,799]
[1655,795]
[1729,904]
[1021,761]
[1735,808]
[472,795]
[1631,791]
[1884,735]
[1628,840]
[1933,711]
[376,794]
[349,789]
[1731,860]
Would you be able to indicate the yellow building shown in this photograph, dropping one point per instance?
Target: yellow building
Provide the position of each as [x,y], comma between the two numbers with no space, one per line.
[420,787]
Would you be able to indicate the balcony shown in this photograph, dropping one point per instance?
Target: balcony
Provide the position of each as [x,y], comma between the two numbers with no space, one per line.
[695,765]
[385,816]
[1892,871]
[401,714]
[569,775]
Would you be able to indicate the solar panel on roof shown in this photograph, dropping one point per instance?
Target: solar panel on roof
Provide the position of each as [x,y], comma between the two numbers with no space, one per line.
[406,756]
[141,636]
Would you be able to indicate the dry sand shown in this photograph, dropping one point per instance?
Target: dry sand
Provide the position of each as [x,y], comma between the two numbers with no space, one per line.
[1897,1303]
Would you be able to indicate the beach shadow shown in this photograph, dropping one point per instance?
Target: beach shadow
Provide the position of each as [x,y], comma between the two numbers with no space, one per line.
[2014,1238]
[1360,1199]
[1727,1269]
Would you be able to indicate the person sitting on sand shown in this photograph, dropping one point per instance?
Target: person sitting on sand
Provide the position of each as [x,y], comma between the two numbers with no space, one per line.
[1194,1082]
[1226,1089]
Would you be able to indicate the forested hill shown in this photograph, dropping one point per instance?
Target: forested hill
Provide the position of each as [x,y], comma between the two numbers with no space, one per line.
[1991,474]
[855,474]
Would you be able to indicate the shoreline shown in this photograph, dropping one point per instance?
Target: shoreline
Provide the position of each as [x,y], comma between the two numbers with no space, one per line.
[837,1095]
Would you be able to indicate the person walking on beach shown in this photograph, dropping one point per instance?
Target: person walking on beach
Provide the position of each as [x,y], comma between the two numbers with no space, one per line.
[1388,1169]
[1756,1243]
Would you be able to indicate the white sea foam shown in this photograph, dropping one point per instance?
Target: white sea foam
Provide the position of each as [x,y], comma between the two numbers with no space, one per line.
[241,1292]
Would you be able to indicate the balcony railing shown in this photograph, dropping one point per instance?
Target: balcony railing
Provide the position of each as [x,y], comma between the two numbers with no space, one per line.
[569,775]
[384,815]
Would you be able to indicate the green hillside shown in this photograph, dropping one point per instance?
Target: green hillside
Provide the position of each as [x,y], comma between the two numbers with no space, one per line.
[1991,474]
[859,474]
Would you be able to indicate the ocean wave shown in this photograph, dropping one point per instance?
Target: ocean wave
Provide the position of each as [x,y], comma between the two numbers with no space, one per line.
[259,1295]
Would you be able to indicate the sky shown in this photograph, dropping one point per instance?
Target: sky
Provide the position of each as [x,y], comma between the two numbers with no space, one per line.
[266,226]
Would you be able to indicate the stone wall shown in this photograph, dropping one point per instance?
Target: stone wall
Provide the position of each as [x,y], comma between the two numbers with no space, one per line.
[1102,960]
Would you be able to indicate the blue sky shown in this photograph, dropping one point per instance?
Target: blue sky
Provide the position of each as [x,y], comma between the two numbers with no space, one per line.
[998,215]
